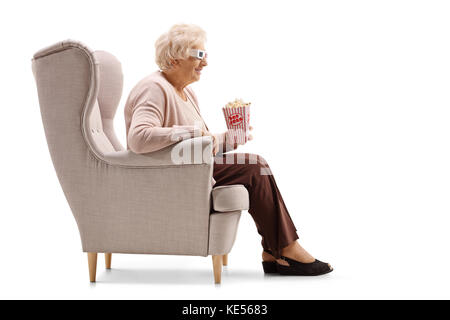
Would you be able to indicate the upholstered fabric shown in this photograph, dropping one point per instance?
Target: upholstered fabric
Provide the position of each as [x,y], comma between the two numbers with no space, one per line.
[122,202]
[186,152]
[222,232]
[109,93]
[230,198]
[99,138]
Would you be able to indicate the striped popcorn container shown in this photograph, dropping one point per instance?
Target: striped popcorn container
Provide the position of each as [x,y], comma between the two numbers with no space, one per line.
[238,119]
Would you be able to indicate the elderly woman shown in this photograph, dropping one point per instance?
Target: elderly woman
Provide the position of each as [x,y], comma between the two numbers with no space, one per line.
[162,105]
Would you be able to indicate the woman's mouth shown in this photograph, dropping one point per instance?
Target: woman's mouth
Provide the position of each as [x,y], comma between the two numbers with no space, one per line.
[198,71]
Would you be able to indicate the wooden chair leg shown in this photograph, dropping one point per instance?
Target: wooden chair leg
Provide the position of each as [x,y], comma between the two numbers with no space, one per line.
[217,266]
[92,261]
[225,259]
[108,258]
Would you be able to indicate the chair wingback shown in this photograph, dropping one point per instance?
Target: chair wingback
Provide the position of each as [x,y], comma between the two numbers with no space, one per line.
[66,75]
[109,93]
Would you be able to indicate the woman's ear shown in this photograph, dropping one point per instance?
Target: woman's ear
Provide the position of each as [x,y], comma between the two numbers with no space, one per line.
[174,62]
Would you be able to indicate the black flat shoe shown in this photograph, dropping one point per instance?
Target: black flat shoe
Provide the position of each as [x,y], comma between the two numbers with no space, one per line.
[296,268]
[269,266]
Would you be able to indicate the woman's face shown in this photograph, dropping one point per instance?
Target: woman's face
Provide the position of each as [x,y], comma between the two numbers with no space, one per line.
[190,69]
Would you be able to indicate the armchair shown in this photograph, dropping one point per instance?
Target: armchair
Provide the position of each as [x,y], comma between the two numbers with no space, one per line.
[156,203]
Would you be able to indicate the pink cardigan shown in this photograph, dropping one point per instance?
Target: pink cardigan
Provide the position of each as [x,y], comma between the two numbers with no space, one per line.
[155,113]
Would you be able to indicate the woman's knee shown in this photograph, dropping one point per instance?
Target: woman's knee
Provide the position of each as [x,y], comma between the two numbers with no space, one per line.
[258,166]
[252,164]
[253,158]
[262,161]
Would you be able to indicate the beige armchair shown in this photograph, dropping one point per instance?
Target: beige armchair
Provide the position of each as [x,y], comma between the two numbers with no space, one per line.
[157,203]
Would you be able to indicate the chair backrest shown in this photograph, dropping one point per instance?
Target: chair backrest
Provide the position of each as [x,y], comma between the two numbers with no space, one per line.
[77,112]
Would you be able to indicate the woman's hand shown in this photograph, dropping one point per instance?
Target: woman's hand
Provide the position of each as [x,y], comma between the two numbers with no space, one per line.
[229,137]
[215,148]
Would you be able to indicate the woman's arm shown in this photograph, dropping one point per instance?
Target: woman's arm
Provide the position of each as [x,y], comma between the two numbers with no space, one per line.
[146,132]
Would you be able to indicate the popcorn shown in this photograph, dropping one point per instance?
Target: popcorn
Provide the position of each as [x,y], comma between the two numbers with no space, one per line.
[237,117]
[237,103]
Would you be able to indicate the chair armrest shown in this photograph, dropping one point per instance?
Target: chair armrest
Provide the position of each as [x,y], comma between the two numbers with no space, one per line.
[197,150]
[147,203]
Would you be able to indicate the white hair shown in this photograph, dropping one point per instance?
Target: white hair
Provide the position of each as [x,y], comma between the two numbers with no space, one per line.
[175,43]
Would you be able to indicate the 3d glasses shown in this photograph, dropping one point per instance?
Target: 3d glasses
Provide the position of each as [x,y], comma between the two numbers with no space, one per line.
[199,54]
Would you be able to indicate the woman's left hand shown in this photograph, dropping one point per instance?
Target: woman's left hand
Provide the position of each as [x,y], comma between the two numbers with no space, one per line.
[215,148]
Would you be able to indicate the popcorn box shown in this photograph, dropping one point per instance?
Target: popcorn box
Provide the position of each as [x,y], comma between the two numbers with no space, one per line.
[238,119]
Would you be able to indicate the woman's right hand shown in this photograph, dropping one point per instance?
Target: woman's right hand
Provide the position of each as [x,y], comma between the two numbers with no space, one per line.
[230,134]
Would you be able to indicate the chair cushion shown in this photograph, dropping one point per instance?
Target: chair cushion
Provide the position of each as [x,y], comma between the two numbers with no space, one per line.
[230,198]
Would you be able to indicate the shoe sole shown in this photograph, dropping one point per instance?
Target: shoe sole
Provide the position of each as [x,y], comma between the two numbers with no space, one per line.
[292,273]
[270,267]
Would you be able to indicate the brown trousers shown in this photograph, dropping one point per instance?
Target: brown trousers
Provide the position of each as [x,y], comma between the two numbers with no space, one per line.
[267,207]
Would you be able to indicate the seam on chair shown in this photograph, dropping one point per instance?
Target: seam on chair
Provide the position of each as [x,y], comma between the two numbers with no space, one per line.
[230,186]
[93,88]
[164,166]
[60,46]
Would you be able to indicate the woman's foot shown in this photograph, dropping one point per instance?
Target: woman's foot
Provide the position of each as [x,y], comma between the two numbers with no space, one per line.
[293,251]
[267,257]
[295,268]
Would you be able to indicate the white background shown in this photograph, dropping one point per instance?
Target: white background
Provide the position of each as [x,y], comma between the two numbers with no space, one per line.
[350,109]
